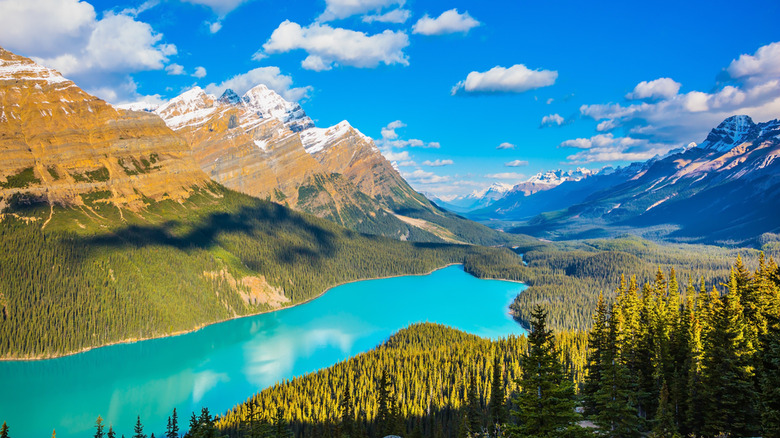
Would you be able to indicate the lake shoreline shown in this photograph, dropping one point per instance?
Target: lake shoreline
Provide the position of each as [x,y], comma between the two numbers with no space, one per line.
[202,326]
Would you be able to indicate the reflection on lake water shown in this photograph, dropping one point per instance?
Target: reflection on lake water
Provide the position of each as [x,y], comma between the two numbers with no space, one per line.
[223,364]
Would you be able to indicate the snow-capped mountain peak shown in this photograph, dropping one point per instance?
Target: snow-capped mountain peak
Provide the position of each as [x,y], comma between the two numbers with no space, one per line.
[494,191]
[229,97]
[731,132]
[268,103]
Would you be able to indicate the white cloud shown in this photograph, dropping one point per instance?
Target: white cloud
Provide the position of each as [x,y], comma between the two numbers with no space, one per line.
[271,77]
[603,148]
[220,7]
[396,16]
[396,156]
[340,9]
[606,125]
[512,176]
[550,100]
[327,46]
[765,63]
[388,132]
[677,120]
[420,176]
[98,53]
[390,138]
[215,26]
[437,163]
[200,72]
[552,120]
[515,79]
[174,69]
[506,145]
[662,88]
[516,163]
[448,22]
[118,43]
[45,27]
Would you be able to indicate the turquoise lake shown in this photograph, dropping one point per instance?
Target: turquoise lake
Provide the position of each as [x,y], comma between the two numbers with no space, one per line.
[223,364]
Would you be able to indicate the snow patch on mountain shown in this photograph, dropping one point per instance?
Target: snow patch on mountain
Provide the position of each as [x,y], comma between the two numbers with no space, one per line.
[24,70]
[318,139]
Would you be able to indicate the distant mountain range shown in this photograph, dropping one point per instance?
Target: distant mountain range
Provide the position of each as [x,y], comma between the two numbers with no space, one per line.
[725,190]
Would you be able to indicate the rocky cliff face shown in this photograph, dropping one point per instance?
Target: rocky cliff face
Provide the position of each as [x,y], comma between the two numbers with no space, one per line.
[264,146]
[62,145]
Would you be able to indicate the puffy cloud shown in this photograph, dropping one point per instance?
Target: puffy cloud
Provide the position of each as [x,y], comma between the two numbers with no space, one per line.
[388,132]
[397,156]
[506,145]
[200,72]
[327,46]
[215,26]
[515,79]
[512,176]
[220,7]
[437,163]
[662,88]
[764,63]
[680,118]
[98,53]
[340,9]
[45,27]
[390,138]
[516,163]
[271,77]
[174,69]
[606,148]
[552,120]
[118,43]
[420,176]
[396,16]
[448,22]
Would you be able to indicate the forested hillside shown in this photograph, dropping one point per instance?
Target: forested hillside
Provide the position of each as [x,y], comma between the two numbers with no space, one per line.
[97,274]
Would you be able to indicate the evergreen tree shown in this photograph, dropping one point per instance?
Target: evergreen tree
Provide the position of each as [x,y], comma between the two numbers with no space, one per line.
[384,416]
[596,342]
[614,399]
[770,382]
[664,419]
[111,433]
[347,410]
[139,429]
[173,426]
[194,426]
[4,430]
[473,405]
[99,427]
[728,379]
[546,399]
[280,425]
[497,396]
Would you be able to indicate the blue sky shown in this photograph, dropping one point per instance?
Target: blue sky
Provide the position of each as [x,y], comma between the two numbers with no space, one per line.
[471,76]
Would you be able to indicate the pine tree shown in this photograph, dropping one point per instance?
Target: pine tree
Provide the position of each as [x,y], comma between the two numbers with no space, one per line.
[770,381]
[111,433]
[347,410]
[280,425]
[99,427]
[384,417]
[139,429]
[614,399]
[546,400]
[596,344]
[664,426]
[473,405]
[497,396]
[4,430]
[173,426]
[728,379]
[194,426]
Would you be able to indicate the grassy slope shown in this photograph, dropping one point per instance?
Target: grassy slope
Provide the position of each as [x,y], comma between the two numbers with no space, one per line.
[96,275]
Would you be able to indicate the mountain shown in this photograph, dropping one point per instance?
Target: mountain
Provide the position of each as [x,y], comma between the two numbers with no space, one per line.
[60,145]
[474,200]
[264,146]
[724,190]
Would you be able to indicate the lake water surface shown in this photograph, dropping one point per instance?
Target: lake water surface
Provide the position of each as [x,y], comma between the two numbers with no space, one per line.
[223,364]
